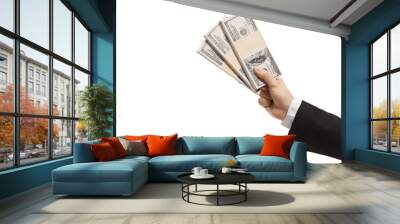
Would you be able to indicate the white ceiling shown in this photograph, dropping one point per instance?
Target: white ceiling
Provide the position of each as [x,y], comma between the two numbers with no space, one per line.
[324,16]
[320,9]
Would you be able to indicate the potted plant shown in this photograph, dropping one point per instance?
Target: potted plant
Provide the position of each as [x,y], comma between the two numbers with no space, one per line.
[97,106]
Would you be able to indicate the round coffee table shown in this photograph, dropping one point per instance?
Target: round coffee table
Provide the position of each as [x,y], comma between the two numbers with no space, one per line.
[238,179]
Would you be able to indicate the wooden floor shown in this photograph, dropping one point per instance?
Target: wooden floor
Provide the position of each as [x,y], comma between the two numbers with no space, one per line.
[379,189]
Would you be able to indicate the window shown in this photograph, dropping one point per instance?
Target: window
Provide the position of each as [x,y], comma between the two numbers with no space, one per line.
[6,72]
[81,45]
[30,87]
[37,74]
[61,74]
[6,142]
[62,137]
[30,72]
[3,61]
[37,90]
[7,14]
[34,21]
[44,91]
[45,131]
[385,95]
[3,78]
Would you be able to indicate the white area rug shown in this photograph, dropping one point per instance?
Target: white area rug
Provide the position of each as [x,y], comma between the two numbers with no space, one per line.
[166,198]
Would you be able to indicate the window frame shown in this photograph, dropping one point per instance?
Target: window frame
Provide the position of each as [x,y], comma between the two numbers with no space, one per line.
[388,74]
[16,114]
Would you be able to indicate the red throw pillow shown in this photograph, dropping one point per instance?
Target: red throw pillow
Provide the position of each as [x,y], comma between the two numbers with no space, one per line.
[161,145]
[103,152]
[136,138]
[116,145]
[277,145]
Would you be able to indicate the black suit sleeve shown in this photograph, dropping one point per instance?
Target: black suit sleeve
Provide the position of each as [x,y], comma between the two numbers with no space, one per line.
[319,129]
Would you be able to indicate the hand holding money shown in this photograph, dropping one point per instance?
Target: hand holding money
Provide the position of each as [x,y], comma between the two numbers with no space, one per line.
[275,97]
[238,43]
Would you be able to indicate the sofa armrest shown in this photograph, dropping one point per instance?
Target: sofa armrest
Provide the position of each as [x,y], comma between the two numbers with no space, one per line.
[298,155]
[83,152]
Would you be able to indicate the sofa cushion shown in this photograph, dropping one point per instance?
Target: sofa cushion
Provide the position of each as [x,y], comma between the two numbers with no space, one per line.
[193,145]
[277,145]
[116,145]
[103,152]
[112,171]
[161,145]
[249,145]
[257,163]
[185,163]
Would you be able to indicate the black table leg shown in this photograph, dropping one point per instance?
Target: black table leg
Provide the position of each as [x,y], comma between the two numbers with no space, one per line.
[245,193]
[217,194]
[195,188]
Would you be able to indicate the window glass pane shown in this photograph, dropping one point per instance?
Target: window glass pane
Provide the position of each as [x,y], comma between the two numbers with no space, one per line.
[62,89]
[81,82]
[81,131]
[379,135]
[7,14]
[6,142]
[33,139]
[395,94]
[81,45]
[6,74]
[62,137]
[379,55]
[34,21]
[34,97]
[379,97]
[62,29]
[395,136]
[395,47]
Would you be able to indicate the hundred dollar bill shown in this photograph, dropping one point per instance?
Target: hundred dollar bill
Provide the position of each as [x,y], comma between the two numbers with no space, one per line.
[218,40]
[208,53]
[249,47]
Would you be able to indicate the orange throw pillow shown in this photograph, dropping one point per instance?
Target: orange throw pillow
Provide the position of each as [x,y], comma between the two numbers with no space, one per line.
[136,138]
[277,145]
[116,145]
[161,145]
[103,152]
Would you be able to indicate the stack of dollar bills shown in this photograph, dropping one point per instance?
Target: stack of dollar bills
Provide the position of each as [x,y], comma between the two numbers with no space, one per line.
[236,46]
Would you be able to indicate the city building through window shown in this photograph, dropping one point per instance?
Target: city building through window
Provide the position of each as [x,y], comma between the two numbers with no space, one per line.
[44,105]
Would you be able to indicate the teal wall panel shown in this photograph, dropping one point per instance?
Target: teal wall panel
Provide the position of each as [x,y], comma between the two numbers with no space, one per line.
[24,178]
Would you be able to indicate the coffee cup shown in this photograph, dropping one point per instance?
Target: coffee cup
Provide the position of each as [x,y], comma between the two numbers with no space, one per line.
[196,171]
[226,170]
[203,172]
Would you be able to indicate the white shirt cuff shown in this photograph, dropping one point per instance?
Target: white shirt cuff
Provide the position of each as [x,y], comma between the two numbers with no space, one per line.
[291,113]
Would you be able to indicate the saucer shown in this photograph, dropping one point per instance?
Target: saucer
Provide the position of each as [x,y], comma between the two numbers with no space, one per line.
[208,176]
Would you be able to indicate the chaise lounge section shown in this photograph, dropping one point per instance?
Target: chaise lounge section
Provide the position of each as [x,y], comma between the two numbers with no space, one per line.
[125,176]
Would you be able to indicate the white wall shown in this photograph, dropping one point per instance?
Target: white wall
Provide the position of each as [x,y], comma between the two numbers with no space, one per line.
[165,87]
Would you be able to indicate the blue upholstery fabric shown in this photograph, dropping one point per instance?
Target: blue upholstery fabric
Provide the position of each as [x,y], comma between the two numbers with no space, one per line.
[298,155]
[83,152]
[184,163]
[193,145]
[249,145]
[118,177]
[257,163]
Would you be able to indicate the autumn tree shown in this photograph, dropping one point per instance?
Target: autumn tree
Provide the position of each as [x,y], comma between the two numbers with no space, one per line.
[380,127]
[33,131]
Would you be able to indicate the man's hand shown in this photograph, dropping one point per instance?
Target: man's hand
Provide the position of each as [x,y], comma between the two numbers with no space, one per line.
[275,97]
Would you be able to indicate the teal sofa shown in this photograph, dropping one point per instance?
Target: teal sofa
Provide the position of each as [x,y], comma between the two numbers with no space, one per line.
[125,176]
